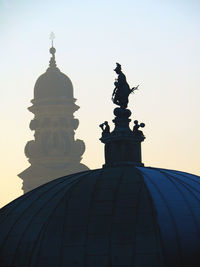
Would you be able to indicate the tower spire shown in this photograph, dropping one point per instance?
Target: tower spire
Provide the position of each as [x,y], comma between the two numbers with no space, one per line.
[52,37]
[52,50]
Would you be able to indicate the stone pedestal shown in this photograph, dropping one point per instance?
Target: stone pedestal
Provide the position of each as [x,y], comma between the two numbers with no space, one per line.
[122,145]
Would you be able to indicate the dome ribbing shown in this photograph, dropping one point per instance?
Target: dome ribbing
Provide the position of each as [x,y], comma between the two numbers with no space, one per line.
[122,216]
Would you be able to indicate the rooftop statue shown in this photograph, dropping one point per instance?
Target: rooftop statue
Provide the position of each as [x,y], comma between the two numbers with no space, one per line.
[122,90]
[136,128]
[122,145]
[105,128]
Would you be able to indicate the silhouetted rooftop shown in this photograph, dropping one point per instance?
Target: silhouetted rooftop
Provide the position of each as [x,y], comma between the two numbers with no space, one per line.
[122,216]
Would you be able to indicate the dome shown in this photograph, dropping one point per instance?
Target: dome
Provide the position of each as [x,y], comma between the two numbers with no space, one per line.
[53,83]
[121,216]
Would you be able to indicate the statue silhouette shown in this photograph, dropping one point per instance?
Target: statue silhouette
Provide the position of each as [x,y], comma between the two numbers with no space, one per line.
[105,128]
[136,128]
[122,90]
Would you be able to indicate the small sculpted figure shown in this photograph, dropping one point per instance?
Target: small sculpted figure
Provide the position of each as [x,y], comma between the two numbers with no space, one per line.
[105,128]
[122,90]
[136,128]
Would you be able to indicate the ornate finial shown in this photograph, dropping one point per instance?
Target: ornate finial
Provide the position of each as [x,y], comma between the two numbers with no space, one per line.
[52,50]
[122,90]
[52,37]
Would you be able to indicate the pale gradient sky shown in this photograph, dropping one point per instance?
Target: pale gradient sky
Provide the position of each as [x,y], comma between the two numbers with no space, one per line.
[157,43]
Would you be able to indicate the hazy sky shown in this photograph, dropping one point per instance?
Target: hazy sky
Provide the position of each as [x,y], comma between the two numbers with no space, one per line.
[157,43]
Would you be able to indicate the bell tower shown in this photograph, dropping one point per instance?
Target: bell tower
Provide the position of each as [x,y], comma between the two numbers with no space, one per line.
[53,152]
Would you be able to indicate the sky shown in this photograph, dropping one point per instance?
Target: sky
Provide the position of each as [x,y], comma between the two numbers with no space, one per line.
[156,42]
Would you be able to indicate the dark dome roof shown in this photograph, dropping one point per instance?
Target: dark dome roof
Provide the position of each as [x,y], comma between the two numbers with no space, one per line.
[121,216]
[53,84]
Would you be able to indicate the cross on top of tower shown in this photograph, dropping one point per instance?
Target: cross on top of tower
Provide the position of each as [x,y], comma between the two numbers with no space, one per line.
[52,50]
[52,37]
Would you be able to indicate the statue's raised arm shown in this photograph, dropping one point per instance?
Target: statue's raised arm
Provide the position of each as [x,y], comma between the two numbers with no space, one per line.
[122,90]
